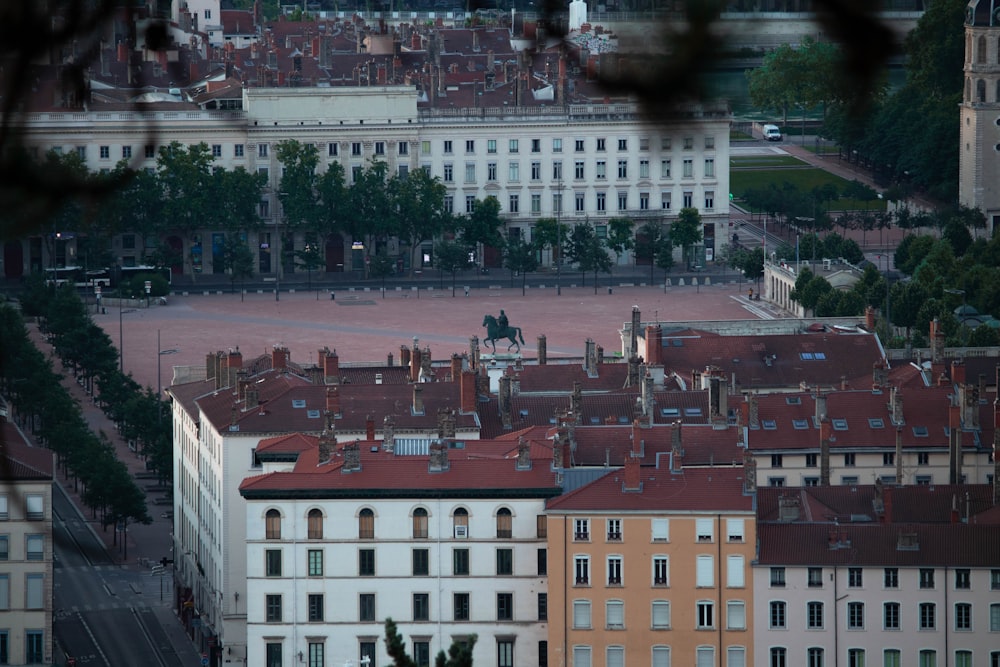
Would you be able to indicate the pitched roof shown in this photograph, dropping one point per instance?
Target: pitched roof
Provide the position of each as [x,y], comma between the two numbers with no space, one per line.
[18,460]
[692,490]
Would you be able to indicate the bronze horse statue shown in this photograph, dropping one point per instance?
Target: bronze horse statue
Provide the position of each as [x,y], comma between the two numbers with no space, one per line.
[495,332]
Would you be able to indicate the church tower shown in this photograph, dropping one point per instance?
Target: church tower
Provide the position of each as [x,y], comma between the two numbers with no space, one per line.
[979,160]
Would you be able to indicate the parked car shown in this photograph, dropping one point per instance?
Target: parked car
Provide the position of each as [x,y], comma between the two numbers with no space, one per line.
[771,133]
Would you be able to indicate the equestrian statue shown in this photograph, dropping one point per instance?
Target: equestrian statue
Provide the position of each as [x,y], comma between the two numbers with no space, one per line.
[498,329]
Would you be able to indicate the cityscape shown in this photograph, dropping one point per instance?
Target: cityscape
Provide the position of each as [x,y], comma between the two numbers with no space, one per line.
[428,334]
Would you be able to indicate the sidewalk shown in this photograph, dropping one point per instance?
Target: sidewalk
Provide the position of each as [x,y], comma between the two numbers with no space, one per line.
[144,545]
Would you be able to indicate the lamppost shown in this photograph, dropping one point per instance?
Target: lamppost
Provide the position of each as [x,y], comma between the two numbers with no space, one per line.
[281,247]
[159,385]
[558,249]
[148,287]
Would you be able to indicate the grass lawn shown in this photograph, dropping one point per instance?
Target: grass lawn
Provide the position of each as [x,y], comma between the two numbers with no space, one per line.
[804,179]
[766,161]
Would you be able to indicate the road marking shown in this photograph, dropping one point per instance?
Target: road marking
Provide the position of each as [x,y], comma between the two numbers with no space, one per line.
[93,639]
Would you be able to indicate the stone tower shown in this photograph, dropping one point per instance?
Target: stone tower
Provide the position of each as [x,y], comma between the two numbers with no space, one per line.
[979,154]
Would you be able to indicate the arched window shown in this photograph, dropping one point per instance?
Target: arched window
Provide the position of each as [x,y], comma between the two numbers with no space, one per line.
[272,525]
[981,49]
[315,524]
[505,523]
[420,522]
[366,524]
[980,90]
[460,520]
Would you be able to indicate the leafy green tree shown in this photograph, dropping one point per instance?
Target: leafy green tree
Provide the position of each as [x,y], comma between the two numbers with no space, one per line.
[685,231]
[298,185]
[137,207]
[459,653]
[334,215]
[649,242]
[588,250]
[450,257]
[621,238]
[482,227]
[372,214]
[185,177]
[520,258]
[779,83]
[420,215]
[751,262]
[811,292]
[984,336]
[395,646]
[911,252]
[237,259]
[238,192]
[311,258]
[381,266]
[552,234]
[957,234]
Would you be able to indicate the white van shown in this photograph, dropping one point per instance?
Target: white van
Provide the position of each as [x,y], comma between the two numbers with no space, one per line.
[771,132]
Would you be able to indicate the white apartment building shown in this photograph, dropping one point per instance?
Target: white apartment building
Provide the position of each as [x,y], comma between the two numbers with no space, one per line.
[582,163]
[26,475]
[446,548]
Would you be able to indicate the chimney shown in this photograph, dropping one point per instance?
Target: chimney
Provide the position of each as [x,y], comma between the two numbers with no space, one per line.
[415,362]
[404,355]
[633,475]
[279,358]
[887,505]
[753,419]
[316,374]
[676,447]
[474,353]
[718,404]
[426,373]
[870,318]
[958,372]
[633,333]
[825,435]
[446,423]
[598,355]
[638,444]
[648,404]
[333,401]
[388,434]
[439,457]
[331,366]
[576,402]
[352,457]
[327,442]
[523,454]
[789,508]
[456,367]
[899,455]
[749,472]
[234,363]
[654,344]
[418,400]
[820,405]
[542,351]
[370,428]
[896,406]
[937,343]
[589,364]
[880,375]
[252,396]
[955,444]
[467,391]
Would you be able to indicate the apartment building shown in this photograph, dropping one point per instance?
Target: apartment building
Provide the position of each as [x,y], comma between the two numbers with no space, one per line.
[651,565]
[449,545]
[26,476]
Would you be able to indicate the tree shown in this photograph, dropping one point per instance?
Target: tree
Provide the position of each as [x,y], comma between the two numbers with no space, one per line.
[685,231]
[648,243]
[984,336]
[185,176]
[381,266]
[297,188]
[451,257]
[911,251]
[520,257]
[552,234]
[780,81]
[418,201]
[310,258]
[587,249]
[620,237]
[237,259]
[371,213]
[237,195]
[481,227]
[459,653]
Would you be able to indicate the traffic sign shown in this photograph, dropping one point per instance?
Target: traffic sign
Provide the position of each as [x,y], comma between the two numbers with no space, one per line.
[204,660]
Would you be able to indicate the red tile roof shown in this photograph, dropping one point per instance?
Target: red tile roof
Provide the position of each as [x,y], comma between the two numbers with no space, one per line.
[18,460]
[693,490]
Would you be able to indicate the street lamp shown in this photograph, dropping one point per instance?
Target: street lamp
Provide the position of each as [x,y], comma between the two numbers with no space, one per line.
[148,286]
[159,386]
[558,253]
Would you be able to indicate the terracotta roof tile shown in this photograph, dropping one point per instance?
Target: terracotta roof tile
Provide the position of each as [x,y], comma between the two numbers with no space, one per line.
[19,460]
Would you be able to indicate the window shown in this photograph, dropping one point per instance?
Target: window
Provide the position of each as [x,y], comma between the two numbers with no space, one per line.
[622,168]
[460,604]
[470,203]
[421,606]
[704,656]
[4,510]
[962,579]
[578,169]
[581,615]
[735,572]
[614,571]
[963,658]
[449,173]
[505,561]
[623,144]
[705,615]
[272,525]
[366,562]
[420,523]
[643,201]
[856,615]
[602,170]
[536,171]
[421,562]
[777,617]
[963,616]
[854,577]
[923,458]
[614,611]
[491,171]
[105,152]
[272,606]
[4,548]
[812,460]
[890,577]
[581,530]
[665,201]
[460,561]
[687,199]
[315,521]
[661,530]
[778,657]
[422,653]
[661,615]
[315,607]
[814,615]
[601,145]
[710,168]
[778,577]
[687,168]
[928,612]
[582,570]
[661,656]
[849,459]
[4,595]
[891,657]
[543,565]
[272,563]
[703,530]
[926,577]
[888,458]
[35,547]
[513,146]
[661,571]
[536,203]
[34,645]
[709,199]
[366,607]
[316,650]
[470,172]
[262,150]
[928,658]
[504,518]
[735,530]
[815,577]
[736,615]
[470,145]
[644,168]
[890,615]
[705,572]
[995,617]
[855,657]
[557,145]
[581,656]
[505,653]
[543,606]
[366,524]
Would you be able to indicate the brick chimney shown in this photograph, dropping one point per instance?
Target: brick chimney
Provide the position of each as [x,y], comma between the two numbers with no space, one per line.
[327,442]
[404,355]
[439,457]
[467,390]
[415,362]
[331,366]
[749,472]
[446,423]
[352,457]
[676,447]
[895,406]
[633,475]
[418,399]
[542,350]
[753,418]
[654,344]
[638,443]
[899,455]
[958,372]
[820,399]
[279,358]
[388,434]
[234,363]
[648,404]
[870,318]
[333,401]
[633,332]
[576,402]
[937,344]
[955,444]
[251,396]
[589,363]
[370,428]
[474,352]
[504,401]
[825,435]
[456,367]
[880,375]
[523,454]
